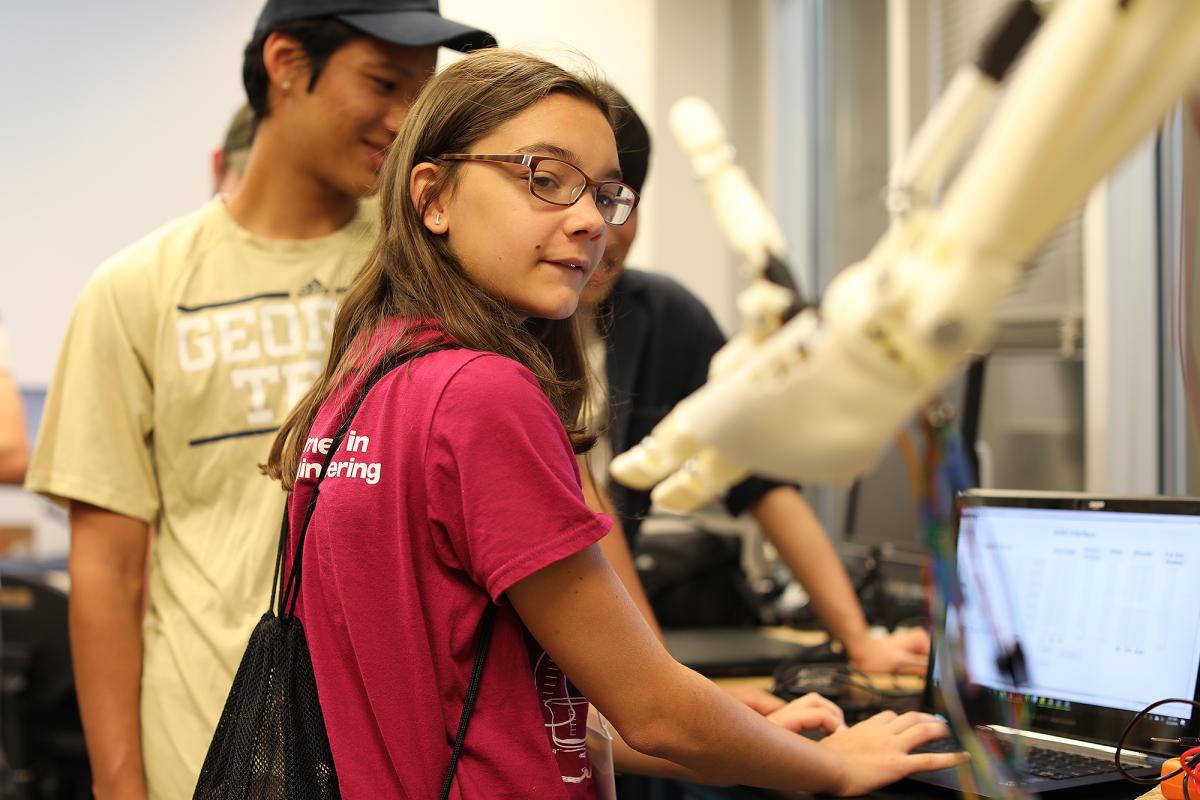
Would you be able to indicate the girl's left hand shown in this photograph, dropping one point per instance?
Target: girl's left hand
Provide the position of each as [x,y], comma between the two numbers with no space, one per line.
[809,712]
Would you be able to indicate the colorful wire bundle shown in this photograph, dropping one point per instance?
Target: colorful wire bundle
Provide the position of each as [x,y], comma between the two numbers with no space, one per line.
[937,480]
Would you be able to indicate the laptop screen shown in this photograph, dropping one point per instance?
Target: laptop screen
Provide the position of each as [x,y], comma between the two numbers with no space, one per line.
[1103,598]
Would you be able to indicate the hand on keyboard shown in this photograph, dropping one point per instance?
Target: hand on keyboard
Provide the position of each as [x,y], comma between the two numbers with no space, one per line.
[876,752]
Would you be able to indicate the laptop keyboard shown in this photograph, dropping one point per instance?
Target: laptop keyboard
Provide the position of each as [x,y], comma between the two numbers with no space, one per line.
[1039,761]
[1060,766]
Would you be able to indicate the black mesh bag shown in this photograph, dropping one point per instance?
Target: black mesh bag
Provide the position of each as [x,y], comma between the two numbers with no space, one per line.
[270,743]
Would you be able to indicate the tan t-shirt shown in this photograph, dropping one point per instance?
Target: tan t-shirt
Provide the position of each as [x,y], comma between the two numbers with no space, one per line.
[183,356]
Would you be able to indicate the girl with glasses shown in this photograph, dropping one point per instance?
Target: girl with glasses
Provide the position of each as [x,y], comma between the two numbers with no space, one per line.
[456,487]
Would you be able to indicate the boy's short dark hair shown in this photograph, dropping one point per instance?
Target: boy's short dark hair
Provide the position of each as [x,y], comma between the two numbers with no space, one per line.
[319,38]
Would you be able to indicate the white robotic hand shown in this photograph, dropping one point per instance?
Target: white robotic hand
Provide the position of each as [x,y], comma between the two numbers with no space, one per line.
[740,211]
[817,398]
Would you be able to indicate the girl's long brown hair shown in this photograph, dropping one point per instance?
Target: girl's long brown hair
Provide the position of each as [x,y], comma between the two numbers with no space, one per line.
[411,272]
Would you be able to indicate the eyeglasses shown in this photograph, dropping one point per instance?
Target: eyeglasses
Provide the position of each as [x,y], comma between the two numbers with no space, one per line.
[562,184]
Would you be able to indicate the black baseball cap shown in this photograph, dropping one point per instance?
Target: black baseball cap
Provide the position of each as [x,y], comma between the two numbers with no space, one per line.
[410,23]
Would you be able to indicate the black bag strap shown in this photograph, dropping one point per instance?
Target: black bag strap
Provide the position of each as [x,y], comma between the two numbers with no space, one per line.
[277,575]
[290,593]
[485,639]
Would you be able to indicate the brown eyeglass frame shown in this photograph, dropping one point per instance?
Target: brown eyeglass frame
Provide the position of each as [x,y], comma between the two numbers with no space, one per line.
[530,162]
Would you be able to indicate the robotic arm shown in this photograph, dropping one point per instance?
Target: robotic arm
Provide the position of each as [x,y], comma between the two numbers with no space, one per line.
[816,394]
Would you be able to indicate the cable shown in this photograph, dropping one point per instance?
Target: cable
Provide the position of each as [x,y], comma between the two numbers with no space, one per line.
[1189,761]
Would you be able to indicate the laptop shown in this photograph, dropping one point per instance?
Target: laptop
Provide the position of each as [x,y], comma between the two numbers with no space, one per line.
[1102,596]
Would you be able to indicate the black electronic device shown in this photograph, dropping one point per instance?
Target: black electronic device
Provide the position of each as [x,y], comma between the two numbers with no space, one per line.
[728,652]
[694,579]
[40,728]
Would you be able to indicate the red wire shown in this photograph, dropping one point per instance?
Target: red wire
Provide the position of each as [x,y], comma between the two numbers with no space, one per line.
[1192,771]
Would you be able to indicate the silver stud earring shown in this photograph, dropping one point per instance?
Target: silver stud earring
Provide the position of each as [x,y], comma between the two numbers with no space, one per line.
[287,85]
[437,219]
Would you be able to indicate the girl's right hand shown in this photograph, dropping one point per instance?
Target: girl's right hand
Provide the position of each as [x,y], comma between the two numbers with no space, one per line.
[876,751]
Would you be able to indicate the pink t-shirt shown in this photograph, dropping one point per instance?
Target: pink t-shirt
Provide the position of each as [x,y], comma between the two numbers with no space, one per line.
[455,482]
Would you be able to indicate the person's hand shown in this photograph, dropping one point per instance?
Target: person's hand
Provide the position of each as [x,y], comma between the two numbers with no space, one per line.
[875,752]
[809,712]
[907,651]
[758,699]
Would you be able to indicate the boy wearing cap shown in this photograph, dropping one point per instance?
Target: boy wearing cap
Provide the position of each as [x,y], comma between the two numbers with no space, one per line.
[185,352]
[656,344]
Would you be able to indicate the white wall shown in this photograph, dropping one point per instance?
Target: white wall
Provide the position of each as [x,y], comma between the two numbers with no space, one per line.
[1122,403]
[617,36]
[110,111]
[694,56]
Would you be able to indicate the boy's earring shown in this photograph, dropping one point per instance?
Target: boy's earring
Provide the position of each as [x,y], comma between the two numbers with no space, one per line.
[287,85]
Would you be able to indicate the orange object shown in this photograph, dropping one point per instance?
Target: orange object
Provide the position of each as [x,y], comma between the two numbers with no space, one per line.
[1173,789]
